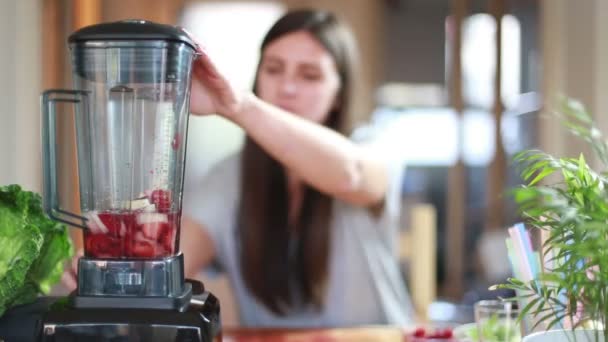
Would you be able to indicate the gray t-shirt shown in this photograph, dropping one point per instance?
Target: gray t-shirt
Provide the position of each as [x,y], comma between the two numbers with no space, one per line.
[364,284]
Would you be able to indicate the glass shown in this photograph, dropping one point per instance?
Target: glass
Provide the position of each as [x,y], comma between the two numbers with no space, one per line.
[131,123]
[497,321]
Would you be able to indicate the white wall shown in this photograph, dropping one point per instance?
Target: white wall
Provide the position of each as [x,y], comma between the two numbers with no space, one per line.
[601,71]
[7,93]
[20,67]
[575,50]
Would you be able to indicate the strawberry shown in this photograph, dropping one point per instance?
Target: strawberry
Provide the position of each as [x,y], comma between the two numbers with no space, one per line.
[101,245]
[167,239]
[112,222]
[142,249]
[152,224]
[153,230]
[95,224]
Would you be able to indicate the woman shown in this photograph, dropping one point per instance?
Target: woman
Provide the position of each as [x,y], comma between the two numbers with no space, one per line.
[303,220]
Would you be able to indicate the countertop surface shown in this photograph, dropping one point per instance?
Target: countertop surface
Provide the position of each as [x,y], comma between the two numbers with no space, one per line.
[355,334]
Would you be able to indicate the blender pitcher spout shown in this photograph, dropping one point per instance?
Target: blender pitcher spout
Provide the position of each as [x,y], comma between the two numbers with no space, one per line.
[50,99]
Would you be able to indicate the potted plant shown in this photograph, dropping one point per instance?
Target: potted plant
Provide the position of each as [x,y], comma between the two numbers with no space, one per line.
[571,292]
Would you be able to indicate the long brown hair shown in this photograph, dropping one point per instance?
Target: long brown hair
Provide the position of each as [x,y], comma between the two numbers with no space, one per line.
[276,276]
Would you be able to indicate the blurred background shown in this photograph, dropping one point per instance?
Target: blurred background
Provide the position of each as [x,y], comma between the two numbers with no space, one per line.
[455,87]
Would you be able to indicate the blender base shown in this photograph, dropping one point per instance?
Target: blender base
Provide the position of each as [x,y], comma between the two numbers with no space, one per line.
[134,300]
[179,303]
[199,322]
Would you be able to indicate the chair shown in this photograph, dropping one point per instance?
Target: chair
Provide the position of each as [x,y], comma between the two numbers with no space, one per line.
[418,249]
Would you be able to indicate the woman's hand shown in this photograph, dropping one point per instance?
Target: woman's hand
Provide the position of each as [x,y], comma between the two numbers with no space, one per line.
[211,92]
[69,278]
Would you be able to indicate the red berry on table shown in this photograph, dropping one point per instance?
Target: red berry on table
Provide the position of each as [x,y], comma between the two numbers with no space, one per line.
[447,333]
[419,332]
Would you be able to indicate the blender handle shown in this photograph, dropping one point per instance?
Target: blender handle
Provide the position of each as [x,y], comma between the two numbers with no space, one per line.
[49,152]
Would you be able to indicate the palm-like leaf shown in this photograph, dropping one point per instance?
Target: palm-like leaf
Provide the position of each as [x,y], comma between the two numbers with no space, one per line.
[574,212]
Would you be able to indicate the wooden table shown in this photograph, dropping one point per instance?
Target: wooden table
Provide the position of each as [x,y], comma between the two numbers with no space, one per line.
[359,334]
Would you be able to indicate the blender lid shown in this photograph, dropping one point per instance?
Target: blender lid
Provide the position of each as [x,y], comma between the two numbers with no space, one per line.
[131,30]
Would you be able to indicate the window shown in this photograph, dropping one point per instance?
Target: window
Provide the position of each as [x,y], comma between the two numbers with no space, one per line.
[479,60]
[231,32]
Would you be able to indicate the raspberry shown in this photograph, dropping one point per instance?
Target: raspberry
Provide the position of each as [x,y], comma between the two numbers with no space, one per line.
[447,333]
[162,200]
[419,332]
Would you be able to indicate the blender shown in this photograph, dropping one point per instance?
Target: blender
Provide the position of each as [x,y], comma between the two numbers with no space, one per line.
[131,99]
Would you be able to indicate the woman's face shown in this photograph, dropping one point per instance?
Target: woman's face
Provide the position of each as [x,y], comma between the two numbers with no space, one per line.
[297,74]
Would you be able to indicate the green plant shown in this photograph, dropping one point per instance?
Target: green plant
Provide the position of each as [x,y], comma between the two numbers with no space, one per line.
[33,248]
[573,211]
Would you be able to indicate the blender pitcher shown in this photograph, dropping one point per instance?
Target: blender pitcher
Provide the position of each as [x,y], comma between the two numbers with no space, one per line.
[131,98]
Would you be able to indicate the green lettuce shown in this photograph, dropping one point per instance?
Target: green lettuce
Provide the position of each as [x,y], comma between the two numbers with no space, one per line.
[33,248]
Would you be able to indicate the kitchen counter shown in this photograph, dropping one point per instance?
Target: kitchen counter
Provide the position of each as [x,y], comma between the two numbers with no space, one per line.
[355,334]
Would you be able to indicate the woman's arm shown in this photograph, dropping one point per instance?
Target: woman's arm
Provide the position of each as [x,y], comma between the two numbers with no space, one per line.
[321,157]
[197,246]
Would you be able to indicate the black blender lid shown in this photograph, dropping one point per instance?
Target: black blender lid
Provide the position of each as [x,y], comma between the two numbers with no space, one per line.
[131,29]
